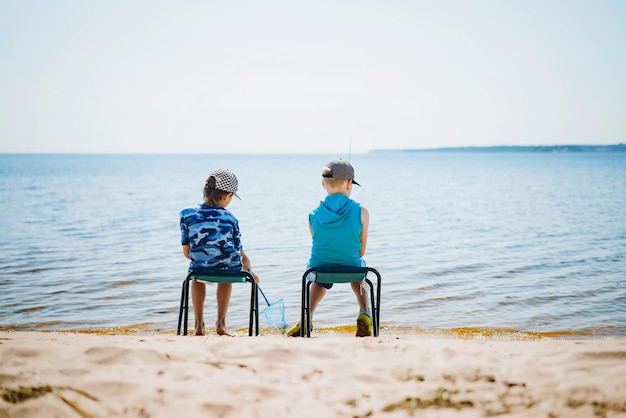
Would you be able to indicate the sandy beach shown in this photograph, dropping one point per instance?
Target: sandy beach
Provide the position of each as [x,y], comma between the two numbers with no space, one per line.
[62,374]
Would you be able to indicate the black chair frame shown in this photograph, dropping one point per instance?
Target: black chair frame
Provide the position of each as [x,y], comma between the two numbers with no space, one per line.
[305,314]
[220,276]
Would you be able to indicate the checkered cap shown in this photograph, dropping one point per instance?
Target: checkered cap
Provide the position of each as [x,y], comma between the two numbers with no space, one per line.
[226,181]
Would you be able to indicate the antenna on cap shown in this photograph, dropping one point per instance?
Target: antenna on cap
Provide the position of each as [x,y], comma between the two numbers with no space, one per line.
[350,148]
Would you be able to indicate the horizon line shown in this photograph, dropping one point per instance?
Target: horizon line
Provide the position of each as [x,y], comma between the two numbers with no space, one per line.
[620,145]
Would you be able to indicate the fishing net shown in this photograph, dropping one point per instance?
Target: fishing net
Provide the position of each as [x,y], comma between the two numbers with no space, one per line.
[274,314]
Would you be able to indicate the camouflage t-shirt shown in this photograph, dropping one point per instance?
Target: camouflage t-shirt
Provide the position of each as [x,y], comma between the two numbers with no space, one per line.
[213,236]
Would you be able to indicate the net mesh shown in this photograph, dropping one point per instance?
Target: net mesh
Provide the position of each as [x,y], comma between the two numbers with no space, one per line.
[274,314]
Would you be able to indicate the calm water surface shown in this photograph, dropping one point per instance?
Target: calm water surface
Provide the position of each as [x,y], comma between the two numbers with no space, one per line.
[528,242]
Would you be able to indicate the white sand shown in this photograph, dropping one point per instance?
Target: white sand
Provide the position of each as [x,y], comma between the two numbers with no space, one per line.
[87,375]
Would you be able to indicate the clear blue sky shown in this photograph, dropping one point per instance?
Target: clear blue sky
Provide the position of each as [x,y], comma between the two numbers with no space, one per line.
[306,76]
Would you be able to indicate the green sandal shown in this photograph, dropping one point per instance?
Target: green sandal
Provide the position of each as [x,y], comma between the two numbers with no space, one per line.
[364,325]
[295,330]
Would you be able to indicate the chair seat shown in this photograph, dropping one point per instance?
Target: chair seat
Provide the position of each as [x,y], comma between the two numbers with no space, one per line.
[219,276]
[338,274]
[329,275]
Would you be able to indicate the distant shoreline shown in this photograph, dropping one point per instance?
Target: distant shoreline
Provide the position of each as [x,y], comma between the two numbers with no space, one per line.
[517,148]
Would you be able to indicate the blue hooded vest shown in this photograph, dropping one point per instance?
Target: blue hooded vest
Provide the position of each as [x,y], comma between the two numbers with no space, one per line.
[336,226]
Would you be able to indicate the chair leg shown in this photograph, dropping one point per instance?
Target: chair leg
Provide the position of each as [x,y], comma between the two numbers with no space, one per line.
[251,319]
[376,302]
[256,308]
[374,311]
[253,324]
[378,309]
[303,306]
[307,322]
[186,317]
[375,316]
[180,310]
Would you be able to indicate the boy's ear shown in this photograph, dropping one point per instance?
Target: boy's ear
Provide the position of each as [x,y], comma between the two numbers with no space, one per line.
[323,185]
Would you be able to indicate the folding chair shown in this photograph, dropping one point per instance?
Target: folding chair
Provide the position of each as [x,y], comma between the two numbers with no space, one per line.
[220,276]
[338,275]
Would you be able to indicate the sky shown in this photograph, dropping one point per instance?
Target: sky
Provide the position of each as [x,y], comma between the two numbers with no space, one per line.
[127,76]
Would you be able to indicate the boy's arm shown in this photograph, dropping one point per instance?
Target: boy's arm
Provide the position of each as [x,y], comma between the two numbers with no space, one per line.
[365,223]
[245,263]
[186,251]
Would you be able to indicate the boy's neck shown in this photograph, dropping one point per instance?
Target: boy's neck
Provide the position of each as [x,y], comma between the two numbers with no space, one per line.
[344,188]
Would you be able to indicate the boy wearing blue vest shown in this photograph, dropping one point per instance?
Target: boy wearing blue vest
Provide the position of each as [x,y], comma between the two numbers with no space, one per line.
[339,227]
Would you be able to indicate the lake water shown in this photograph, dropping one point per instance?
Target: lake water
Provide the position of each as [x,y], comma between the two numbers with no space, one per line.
[487,242]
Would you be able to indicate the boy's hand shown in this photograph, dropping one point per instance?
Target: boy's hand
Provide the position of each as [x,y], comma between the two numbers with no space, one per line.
[256,277]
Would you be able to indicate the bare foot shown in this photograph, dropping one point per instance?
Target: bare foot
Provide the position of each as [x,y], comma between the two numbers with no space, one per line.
[199,328]
[223,331]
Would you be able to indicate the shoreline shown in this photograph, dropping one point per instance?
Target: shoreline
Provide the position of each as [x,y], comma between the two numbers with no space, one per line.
[67,373]
[349,330]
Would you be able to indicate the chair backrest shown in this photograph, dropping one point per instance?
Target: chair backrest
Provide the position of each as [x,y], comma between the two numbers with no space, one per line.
[221,276]
[339,274]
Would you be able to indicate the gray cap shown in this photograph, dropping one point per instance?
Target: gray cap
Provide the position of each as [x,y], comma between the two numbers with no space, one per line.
[339,169]
[226,181]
